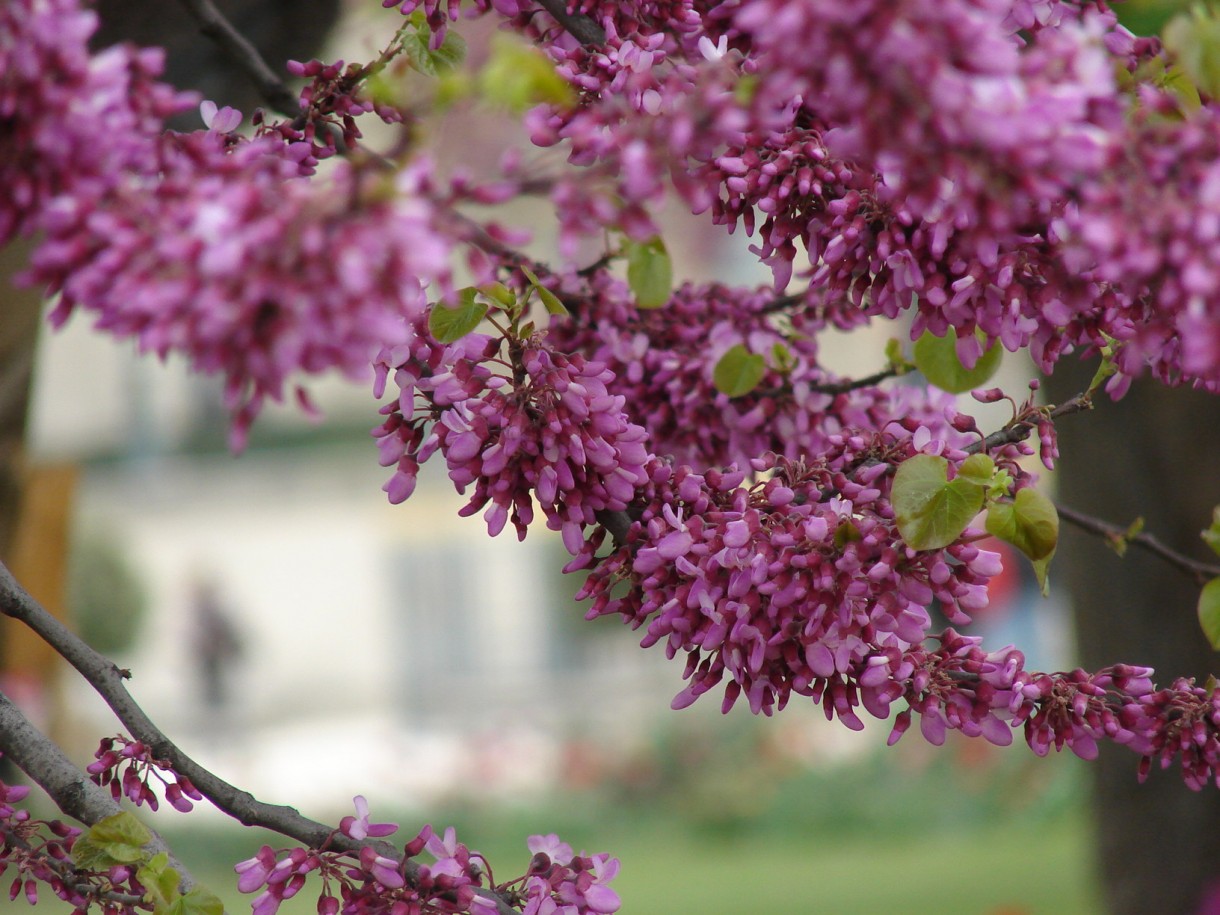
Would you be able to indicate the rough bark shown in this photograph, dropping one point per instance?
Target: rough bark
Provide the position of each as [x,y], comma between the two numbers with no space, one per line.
[1151,455]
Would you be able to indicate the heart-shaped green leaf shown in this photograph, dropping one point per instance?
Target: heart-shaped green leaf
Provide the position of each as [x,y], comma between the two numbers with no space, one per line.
[738,371]
[1209,612]
[937,358]
[650,272]
[1029,522]
[932,511]
[118,839]
[449,323]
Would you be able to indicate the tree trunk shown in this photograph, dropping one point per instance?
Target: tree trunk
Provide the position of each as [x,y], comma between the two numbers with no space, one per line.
[1152,455]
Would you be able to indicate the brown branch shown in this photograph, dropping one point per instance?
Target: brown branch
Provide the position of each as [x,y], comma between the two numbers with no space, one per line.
[1202,572]
[579,26]
[73,792]
[854,384]
[107,680]
[271,87]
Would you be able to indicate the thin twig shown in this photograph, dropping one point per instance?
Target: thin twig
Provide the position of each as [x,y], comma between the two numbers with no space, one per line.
[1202,572]
[854,384]
[271,87]
[1020,429]
[107,680]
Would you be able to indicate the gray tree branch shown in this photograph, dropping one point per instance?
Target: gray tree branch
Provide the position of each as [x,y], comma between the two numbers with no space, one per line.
[73,792]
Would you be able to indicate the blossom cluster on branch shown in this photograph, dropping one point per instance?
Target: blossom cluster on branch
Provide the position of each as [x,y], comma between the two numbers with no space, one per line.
[1004,173]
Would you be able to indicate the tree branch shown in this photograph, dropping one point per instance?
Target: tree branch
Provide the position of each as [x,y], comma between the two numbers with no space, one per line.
[271,87]
[854,384]
[107,680]
[1019,429]
[1202,572]
[73,792]
[579,26]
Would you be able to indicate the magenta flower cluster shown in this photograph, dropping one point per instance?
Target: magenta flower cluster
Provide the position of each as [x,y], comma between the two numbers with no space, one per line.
[70,122]
[40,852]
[547,430]
[663,362]
[231,259]
[367,880]
[127,766]
[781,583]
[206,244]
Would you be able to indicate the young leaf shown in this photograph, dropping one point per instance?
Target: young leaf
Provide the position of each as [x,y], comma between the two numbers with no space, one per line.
[650,273]
[549,299]
[118,839]
[1211,536]
[518,76]
[1042,569]
[160,882]
[499,293]
[1030,523]
[448,324]
[433,62]
[739,371]
[931,511]
[846,533]
[937,358]
[198,901]
[1194,41]
[1209,612]
[894,356]
[978,468]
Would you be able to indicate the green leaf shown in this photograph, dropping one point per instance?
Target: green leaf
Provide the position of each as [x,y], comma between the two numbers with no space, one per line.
[430,62]
[160,882]
[518,76]
[551,301]
[1042,572]
[198,901]
[738,371]
[782,359]
[931,511]
[650,272]
[846,533]
[978,468]
[1119,542]
[1179,84]
[118,839]
[937,358]
[1209,612]
[1106,368]
[1211,536]
[448,324]
[895,358]
[500,294]
[1194,41]
[1030,523]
